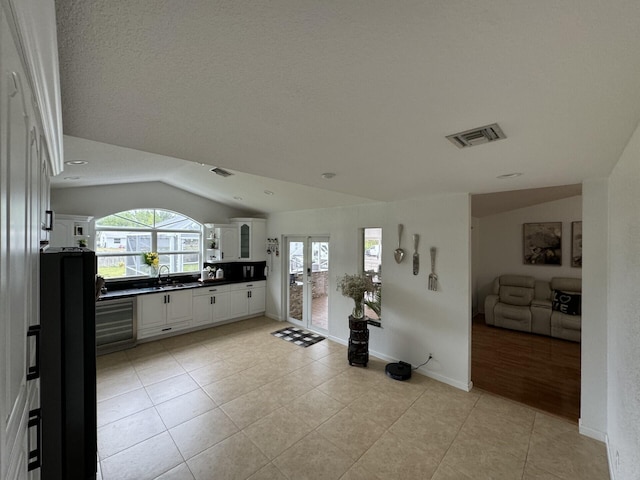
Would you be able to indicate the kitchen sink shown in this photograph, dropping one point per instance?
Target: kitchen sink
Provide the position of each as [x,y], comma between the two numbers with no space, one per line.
[169,286]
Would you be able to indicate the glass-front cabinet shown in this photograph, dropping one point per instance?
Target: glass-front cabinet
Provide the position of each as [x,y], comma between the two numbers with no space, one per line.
[252,238]
[244,231]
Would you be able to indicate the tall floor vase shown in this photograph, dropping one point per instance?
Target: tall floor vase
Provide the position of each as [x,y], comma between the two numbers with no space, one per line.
[358,352]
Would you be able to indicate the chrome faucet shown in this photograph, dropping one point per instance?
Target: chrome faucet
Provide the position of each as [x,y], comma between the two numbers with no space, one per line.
[160,273]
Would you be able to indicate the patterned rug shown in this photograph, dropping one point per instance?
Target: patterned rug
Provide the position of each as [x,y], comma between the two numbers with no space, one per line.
[299,336]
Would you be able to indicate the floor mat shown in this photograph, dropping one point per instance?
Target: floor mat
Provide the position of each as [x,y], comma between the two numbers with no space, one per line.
[299,336]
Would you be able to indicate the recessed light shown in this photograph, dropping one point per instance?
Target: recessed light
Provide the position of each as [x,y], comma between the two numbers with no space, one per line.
[509,175]
[268,192]
[328,175]
[76,162]
[237,198]
[72,178]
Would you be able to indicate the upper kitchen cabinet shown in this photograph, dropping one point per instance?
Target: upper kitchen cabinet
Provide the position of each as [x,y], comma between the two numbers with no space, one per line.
[252,237]
[221,243]
[71,231]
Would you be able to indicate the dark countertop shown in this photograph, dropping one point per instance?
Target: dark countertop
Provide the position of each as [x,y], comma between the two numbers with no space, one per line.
[186,285]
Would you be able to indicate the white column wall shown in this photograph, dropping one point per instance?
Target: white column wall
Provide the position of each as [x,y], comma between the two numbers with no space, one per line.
[623,306]
[593,393]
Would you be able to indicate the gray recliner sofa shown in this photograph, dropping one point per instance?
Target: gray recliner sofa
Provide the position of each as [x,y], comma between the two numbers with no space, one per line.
[520,302]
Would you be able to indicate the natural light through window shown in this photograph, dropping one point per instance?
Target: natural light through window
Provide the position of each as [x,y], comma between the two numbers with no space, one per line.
[122,238]
[372,266]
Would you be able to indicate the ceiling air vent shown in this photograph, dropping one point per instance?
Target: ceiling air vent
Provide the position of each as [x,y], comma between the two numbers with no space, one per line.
[222,172]
[477,136]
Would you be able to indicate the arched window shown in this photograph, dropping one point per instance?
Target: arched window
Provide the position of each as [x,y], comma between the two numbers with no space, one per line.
[122,238]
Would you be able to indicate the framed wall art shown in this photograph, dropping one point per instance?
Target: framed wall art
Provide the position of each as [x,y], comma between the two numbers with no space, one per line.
[576,244]
[542,243]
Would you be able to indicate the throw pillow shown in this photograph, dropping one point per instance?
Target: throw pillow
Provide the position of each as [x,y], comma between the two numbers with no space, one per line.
[568,303]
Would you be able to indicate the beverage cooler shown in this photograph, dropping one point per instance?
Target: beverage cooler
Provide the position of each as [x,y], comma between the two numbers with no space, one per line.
[68,363]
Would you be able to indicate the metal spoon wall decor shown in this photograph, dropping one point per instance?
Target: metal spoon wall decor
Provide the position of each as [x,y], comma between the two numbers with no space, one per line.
[398,253]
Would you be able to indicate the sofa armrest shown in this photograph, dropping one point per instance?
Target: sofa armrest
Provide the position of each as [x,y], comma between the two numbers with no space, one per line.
[490,302]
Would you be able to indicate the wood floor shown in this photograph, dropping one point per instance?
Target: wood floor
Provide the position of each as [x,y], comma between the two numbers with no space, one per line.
[539,371]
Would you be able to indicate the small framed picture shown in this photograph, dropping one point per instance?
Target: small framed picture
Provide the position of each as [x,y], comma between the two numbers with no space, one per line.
[78,230]
[576,244]
[542,243]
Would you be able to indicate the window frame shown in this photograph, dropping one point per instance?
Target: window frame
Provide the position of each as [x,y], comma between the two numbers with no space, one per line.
[153,232]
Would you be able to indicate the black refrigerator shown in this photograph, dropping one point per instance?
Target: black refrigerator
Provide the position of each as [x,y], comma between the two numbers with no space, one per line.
[68,363]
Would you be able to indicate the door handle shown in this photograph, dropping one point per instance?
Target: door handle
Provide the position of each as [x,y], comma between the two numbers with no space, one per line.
[33,371]
[35,420]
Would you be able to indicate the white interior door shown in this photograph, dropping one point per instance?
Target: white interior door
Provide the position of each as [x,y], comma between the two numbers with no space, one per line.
[308,282]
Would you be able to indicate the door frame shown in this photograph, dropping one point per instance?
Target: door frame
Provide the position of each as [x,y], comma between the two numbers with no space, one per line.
[307,240]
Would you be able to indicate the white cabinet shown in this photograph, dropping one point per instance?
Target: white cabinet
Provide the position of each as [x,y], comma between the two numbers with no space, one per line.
[229,243]
[210,305]
[247,298]
[21,203]
[257,300]
[70,231]
[221,243]
[252,237]
[160,313]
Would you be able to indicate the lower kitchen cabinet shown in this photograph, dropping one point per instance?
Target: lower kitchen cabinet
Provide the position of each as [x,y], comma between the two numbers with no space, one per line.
[210,305]
[165,312]
[174,310]
[248,298]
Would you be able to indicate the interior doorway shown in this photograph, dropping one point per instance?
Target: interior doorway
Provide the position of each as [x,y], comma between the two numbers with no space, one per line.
[308,283]
[532,368]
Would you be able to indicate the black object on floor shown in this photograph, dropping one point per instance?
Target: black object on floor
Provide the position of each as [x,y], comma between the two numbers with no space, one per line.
[399,371]
[299,336]
[358,351]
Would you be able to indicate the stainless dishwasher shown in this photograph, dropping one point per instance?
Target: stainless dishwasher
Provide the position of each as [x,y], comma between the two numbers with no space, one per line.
[115,324]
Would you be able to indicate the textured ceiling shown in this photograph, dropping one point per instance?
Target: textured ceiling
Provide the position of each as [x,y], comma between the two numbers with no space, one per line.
[290,89]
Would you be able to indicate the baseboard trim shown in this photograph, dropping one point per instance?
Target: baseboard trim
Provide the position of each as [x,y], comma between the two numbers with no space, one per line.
[591,432]
[273,317]
[421,370]
[611,457]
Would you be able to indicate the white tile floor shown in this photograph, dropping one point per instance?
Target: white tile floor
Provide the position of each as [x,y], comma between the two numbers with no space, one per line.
[234,402]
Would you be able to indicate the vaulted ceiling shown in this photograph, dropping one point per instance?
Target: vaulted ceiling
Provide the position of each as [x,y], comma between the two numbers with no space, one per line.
[290,89]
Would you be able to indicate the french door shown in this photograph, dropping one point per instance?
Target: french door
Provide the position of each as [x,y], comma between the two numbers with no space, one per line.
[308,284]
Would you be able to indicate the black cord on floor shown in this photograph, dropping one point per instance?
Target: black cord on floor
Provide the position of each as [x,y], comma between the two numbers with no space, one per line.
[422,364]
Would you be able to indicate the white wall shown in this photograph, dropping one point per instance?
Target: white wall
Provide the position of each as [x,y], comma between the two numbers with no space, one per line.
[501,243]
[105,200]
[416,321]
[593,403]
[623,339]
